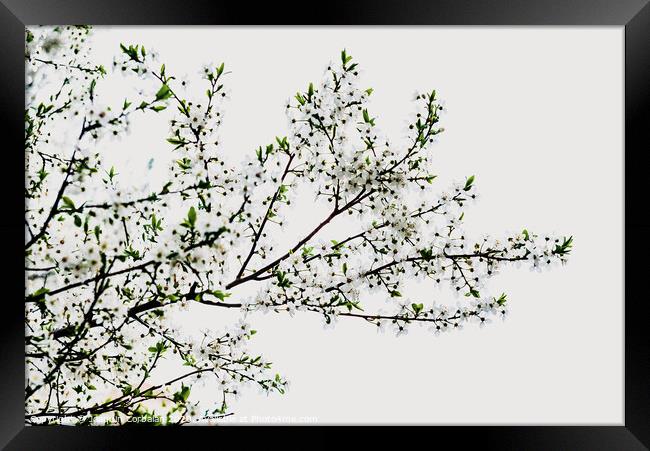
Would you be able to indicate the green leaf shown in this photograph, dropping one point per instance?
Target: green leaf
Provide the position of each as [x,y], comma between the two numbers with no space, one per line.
[191,216]
[131,51]
[77,221]
[175,141]
[67,202]
[39,295]
[282,142]
[395,294]
[300,99]
[163,93]
[427,254]
[417,308]
[182,395]
[283,280]
[367,119]
[184,163]
[468,183]
[221,294]
[159,348]
[565,247]
[345,58]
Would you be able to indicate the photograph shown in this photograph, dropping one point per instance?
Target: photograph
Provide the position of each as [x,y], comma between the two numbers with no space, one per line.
[424,215]
[384,225]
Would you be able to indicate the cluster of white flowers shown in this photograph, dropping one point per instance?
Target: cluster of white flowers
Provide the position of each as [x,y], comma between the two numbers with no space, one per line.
[344,152]
[111,268]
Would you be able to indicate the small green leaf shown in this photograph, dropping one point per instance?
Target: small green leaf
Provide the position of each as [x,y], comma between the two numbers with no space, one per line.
[565,247]
[163,93]
[182,395]
[345,58]
[184,163]
[175,141]
[468,183]
[366,116]
[300,99]
[191,216]
[39,295]
[221,294]
[427,254]
[68,202]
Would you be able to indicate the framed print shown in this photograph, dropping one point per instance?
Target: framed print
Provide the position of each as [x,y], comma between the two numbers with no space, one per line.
[383,216]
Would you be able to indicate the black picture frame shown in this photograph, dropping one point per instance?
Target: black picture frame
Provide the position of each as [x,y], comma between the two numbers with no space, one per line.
[634,15]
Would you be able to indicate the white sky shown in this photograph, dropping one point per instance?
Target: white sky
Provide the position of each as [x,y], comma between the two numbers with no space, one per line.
[537,115]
